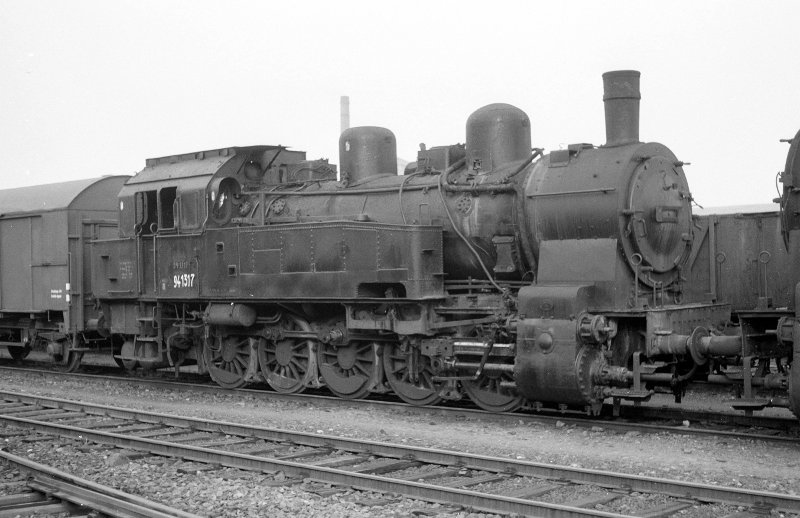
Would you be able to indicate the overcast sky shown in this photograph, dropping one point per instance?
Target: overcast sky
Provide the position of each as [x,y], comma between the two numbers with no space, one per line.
[90,88]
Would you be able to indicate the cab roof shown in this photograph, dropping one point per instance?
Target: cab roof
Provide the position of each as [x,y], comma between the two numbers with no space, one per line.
[190,165]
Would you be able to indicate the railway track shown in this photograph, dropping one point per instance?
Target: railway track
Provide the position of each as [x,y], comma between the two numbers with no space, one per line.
[641,419]
[48,491]
[484,483]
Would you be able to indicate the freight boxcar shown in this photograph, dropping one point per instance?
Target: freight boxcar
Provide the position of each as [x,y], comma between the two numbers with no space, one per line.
[46,297]
[741,256]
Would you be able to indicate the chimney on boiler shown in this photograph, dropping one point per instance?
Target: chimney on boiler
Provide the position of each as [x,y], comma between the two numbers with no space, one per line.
[621,99]
[344,112]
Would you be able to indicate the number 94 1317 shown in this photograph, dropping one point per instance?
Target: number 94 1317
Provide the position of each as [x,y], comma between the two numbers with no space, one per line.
[185,280]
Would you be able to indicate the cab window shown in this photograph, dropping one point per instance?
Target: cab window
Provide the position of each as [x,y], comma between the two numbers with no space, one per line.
[191,209]
[146,212]
[166,207]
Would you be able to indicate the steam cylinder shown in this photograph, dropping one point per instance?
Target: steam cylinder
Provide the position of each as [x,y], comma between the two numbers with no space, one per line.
[497,134]
[366,152]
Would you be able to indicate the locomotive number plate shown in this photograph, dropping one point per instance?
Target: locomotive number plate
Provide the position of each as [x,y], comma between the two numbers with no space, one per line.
[185,280]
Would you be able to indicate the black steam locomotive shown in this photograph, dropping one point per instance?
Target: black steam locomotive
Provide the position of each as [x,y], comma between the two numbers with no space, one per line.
[488,270]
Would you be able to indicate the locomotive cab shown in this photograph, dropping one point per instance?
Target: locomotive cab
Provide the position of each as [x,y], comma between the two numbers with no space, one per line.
[185,193]
[159,254]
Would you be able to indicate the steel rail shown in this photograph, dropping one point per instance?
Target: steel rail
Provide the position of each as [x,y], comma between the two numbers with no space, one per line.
[503,417]
[82,492]
[477,500]
[680,489]
[35,503]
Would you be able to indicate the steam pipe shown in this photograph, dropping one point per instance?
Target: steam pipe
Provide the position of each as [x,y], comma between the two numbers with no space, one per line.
[487,367]
[700,344]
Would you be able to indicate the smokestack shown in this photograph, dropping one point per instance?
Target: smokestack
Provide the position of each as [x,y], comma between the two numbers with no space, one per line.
[344,111]
[621,98]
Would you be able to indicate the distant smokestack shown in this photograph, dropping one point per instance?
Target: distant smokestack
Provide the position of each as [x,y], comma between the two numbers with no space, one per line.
[621,98]
[344,103]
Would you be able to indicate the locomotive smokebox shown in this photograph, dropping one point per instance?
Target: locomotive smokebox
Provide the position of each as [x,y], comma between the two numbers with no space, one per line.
[621,98]
[366,152]
[497,134]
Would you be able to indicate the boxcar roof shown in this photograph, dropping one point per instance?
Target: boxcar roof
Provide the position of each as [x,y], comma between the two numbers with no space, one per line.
[45,198]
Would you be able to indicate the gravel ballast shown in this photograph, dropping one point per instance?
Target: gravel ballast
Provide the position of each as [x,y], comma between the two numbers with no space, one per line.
[720,461]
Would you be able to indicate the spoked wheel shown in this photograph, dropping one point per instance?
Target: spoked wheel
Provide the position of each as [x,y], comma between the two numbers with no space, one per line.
[230,359]
[286,363]
[410,375]
[19,353]
[117,341]
[73,361]
[128,350]
[348,369]
[68,358]
[487,393]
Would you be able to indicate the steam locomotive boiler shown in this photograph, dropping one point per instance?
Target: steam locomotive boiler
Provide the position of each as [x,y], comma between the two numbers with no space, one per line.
[488,269]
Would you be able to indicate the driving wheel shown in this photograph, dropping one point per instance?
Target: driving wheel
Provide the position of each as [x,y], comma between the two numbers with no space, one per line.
[286,362]
[348,369]
[410,375]
[230,359]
